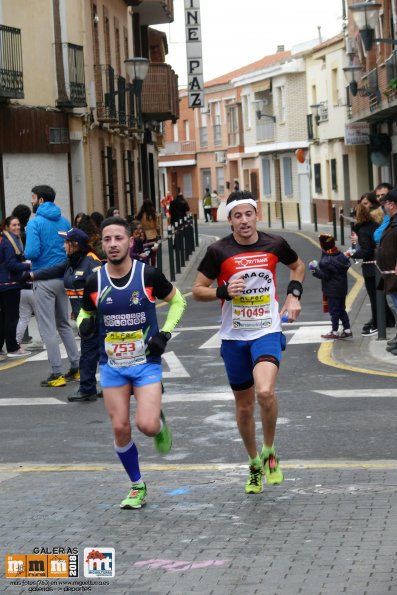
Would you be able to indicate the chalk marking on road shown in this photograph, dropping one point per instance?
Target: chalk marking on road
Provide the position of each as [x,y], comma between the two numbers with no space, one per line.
[292,464]
[30,401]
[360,393]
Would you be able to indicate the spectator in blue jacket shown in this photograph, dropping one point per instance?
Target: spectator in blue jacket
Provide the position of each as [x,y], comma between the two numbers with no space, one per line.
[332,270]
[12,266]
[380,191]
[44,247]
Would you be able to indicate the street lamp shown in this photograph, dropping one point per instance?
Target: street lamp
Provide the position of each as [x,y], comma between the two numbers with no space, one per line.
[365,15]
[137,69]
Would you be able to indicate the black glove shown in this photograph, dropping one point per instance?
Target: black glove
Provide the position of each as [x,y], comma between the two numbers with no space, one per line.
[87,328]
[158,343]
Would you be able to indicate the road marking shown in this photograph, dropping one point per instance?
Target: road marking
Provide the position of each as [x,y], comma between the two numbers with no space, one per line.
[302,335]
[308,334]
[30,401]
[360,393]
[324,356]
[197,397]
[176,369]
[292,464]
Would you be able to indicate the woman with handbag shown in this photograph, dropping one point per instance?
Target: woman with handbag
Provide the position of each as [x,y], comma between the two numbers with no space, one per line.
[12,265]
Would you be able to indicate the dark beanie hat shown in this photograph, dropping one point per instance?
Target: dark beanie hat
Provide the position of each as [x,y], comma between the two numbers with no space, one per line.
[327,242]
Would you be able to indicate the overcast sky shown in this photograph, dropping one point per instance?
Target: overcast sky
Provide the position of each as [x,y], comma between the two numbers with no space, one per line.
[238,32]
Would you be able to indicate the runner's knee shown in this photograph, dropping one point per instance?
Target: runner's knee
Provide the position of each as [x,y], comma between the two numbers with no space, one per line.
[266,397]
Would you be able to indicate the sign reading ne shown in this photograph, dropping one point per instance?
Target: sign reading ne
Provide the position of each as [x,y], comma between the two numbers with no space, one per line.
[195,78]
[357,134]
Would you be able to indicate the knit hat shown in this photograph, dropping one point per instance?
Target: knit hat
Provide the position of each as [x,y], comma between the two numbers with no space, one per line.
[327,243]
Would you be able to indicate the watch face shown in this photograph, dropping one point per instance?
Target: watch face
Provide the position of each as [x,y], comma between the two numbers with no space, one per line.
[296,292]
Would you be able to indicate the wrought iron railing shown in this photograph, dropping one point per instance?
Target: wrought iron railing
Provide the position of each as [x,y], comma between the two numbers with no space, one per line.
[70,75]
[105,89]
[11,73]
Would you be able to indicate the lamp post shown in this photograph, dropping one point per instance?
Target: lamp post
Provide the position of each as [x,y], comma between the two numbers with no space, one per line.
[354,70]
[137,69]
[365,15]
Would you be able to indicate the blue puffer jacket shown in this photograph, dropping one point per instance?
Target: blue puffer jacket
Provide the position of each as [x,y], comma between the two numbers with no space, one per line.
[44,247]
[11,264]
[332,270]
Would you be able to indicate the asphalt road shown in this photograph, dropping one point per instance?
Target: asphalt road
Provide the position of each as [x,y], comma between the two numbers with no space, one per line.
[198,402]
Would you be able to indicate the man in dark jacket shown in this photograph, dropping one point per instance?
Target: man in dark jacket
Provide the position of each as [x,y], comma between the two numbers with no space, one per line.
[332,270]
[387,252]
[178,208]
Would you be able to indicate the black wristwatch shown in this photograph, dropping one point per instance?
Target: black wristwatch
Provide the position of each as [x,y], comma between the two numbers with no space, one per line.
[295,288]
[166,335]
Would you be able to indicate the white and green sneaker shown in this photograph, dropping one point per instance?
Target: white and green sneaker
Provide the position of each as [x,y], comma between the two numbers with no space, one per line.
[136,496]
[163,440]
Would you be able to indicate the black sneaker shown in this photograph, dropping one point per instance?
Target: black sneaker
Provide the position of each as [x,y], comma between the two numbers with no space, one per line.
[368,325]
[80,397]
[369,331]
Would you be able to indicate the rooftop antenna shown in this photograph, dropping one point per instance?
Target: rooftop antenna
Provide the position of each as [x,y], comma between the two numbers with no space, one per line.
[319,34]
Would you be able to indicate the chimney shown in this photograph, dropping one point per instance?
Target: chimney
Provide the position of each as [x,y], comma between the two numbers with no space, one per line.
[280,48]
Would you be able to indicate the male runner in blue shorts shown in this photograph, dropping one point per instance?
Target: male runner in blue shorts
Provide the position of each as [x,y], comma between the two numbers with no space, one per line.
[244,267]
[122,294]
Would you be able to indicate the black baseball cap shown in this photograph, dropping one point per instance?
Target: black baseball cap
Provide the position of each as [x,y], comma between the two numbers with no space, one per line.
[75,235]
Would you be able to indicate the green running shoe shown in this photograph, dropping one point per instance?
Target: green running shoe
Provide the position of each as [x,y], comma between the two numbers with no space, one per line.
[136,496]
[273,472]
[254,481]
[163,440]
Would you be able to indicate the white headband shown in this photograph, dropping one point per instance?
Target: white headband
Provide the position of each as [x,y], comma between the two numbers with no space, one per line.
[236,203]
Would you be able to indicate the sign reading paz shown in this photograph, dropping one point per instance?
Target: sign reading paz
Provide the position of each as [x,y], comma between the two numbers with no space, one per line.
[195,78]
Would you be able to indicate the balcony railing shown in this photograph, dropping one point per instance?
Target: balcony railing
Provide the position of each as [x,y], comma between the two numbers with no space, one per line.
[153,12]
[264,130]
[70,75]
[11,74]
[180,147]
[160,100]
[323,111]
[105,92]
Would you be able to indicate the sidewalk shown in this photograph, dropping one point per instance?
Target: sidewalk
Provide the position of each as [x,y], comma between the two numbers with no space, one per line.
[361,353]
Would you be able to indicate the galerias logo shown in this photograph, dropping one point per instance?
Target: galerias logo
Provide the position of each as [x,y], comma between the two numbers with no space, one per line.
[245,262]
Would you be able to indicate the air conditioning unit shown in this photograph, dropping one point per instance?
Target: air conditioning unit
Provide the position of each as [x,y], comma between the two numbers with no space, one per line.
[350,45]
[220,156]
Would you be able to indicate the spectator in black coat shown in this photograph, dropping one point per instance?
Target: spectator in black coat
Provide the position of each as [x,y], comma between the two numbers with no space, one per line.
[332,270]
[178,208]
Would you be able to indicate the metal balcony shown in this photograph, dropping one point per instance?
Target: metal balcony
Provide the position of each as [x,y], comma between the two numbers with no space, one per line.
[153,12]
[160,99]
[70,75]
[180,147]
[11,74]
[105,93]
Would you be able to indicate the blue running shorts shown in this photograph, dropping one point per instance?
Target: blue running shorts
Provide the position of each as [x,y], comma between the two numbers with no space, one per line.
[135,375]
[240,357]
